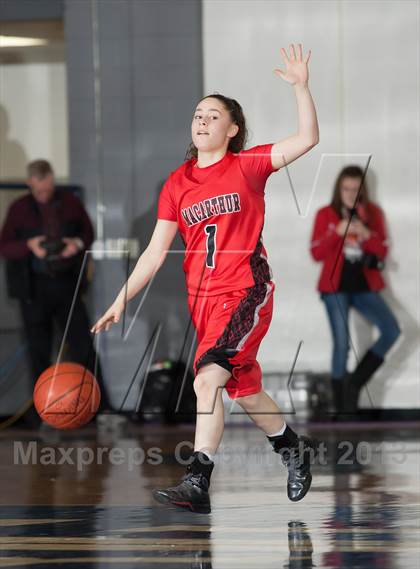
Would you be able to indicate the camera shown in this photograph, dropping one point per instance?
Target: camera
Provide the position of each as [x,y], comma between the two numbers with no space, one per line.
[53,260]
[53,248]
[372,261]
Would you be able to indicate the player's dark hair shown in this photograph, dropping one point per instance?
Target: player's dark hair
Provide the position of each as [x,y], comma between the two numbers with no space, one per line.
[237,143]
[352,171]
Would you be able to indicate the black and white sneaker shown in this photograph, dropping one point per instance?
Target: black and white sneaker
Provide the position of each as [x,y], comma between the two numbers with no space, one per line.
[191,494]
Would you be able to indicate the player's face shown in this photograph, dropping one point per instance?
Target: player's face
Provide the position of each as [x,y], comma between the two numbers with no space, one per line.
[42,188]
[212,127]
[348,191]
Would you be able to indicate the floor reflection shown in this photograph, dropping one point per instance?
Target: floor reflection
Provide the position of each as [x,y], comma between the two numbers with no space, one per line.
[362,511]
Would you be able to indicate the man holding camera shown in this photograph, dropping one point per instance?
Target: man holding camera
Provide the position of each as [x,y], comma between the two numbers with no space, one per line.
[43,239]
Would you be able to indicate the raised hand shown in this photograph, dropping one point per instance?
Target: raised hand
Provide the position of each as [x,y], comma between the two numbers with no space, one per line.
[296,65]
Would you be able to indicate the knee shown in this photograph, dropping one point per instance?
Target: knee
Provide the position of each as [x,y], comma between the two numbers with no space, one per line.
[393,333]
[204,388]
[209,379]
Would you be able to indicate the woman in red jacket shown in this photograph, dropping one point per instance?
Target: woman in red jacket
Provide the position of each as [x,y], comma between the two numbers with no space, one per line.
[349,238]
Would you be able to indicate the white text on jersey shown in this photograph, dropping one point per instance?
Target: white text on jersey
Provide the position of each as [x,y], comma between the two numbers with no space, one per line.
[219,205]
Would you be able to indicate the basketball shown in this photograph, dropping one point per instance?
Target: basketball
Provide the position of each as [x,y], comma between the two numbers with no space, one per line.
[66,395]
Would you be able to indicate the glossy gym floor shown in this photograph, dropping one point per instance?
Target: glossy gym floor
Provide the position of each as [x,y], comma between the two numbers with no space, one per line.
[67,503]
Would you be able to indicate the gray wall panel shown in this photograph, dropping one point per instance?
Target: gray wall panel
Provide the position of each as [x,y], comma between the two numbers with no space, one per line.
[150,76]
[15,10]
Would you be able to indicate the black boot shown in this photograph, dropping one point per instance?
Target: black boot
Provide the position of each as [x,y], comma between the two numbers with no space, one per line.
[192,493]
[337,386]
[342,409]
[360,376]
[296,454]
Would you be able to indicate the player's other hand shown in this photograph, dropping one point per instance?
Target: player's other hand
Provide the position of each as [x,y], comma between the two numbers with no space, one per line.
[111,316]
[296,65]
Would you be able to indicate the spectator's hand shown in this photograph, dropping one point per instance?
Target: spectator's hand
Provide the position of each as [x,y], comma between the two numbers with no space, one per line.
[71,248]
[34,245]
[111,316]
[360,229]
[342,226]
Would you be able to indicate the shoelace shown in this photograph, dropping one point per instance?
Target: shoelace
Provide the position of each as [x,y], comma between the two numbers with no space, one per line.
[293,457]
[196,479]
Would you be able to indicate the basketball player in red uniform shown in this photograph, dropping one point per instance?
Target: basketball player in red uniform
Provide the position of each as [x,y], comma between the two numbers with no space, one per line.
[216,201]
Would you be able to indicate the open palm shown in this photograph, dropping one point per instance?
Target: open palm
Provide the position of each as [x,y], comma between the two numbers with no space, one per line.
[296,65]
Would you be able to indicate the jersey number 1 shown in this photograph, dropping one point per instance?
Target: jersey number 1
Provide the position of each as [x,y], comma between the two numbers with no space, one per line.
[210,231]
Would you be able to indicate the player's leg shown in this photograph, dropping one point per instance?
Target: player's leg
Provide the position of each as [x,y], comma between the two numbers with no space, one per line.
[245,387]
[264,412]
[192,492]
[297,452]
[208,386]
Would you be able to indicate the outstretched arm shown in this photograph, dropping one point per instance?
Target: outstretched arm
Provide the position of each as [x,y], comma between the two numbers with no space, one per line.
[307,137]
[148,264]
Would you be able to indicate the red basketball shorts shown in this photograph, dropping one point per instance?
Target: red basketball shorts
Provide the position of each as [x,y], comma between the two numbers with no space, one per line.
[230,328]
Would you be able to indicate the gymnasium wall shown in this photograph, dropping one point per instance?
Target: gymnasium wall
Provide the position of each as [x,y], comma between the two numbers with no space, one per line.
[134,71]
[365,83]
[33,124]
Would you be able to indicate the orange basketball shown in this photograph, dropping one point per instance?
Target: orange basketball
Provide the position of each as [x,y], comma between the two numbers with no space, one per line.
[66,395]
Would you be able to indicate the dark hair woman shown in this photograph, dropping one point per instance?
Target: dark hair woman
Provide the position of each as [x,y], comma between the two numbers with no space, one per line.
[349,238]
[216,200]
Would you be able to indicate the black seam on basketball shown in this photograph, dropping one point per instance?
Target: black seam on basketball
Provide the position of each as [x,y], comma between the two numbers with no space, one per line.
[80,391]
[64,424]
[85,369]
[64,395]
[89,399]
[55,375]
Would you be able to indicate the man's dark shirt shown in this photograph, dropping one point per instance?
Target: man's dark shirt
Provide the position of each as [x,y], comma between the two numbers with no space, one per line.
[63,216]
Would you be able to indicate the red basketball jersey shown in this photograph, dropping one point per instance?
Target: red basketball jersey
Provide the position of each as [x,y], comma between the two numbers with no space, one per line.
[220,214]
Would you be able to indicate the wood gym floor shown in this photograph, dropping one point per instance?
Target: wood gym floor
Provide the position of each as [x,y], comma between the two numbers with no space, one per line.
[362,510]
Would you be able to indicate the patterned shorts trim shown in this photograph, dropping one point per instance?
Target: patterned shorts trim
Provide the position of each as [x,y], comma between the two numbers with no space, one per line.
[230,328]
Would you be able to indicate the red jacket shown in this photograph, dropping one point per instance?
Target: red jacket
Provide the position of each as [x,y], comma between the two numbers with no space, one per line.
[327,246]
